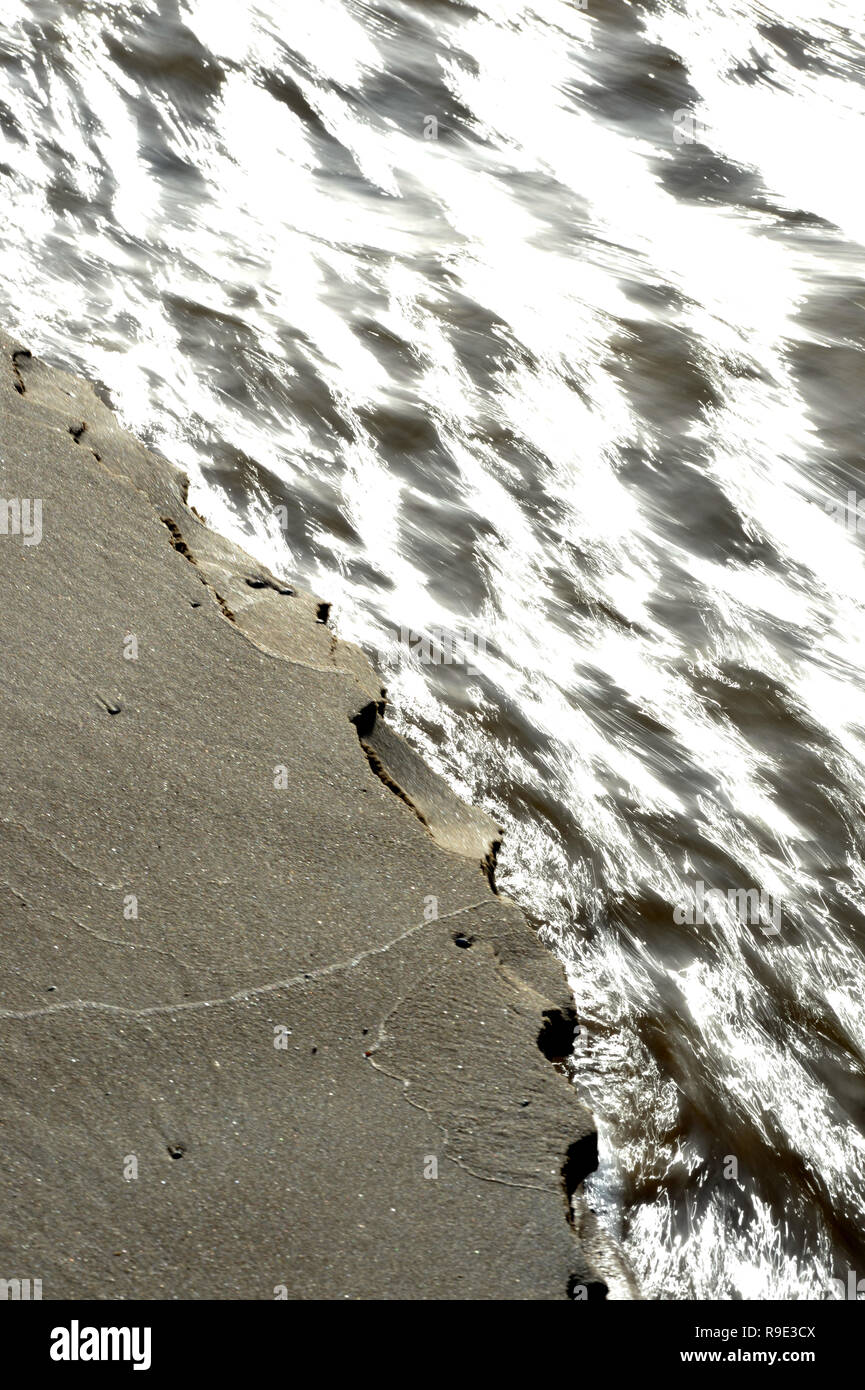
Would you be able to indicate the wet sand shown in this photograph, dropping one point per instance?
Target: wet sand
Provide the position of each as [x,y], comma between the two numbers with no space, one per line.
[266,1029]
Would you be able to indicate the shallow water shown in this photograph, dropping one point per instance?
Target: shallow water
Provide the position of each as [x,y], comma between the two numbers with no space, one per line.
[537,329]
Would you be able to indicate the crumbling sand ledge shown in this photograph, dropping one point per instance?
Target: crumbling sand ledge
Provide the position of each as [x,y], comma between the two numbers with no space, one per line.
[208,1099]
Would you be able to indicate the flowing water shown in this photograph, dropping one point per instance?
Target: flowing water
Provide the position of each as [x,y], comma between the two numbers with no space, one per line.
[536,328]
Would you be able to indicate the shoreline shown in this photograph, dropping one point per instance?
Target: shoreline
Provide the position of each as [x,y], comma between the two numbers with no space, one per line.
[267,1026]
